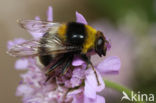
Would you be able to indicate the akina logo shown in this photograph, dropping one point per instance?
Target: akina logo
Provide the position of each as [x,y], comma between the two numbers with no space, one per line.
[138,97]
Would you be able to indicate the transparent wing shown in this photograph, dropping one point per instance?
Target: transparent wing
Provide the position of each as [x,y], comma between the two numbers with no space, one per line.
[36,26]
[28,48]
[53,45]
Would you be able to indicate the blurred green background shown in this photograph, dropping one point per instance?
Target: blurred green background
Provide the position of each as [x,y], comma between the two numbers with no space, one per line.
[129,24]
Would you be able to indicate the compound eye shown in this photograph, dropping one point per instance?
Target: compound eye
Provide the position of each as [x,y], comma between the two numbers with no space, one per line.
[100,42]
[99,48]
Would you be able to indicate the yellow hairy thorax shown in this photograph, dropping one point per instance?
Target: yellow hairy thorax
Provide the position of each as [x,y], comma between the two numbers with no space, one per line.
[90,39]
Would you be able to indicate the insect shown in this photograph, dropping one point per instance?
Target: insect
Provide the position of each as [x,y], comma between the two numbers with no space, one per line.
[61,41]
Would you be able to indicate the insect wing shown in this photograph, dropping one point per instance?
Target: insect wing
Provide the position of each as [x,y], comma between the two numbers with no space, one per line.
[53,45]
[36,26]
[28,48]
[56,45]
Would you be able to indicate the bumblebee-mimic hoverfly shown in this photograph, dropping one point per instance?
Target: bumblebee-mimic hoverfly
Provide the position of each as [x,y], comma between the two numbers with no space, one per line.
[61,41]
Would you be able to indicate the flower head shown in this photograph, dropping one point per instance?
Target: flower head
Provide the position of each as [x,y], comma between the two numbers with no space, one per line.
[78,85]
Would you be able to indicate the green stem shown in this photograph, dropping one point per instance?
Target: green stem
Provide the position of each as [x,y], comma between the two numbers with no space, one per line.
[119,88]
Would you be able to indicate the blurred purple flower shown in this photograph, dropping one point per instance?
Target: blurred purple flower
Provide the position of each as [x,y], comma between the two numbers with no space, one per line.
[76,86]
[50,14]
[80,18]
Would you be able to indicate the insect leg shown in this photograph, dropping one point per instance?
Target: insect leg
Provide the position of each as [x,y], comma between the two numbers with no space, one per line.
[85,58]
[67,64]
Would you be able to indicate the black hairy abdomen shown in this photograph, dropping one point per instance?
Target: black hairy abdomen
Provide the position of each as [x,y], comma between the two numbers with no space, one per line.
[46,59]
[76,33]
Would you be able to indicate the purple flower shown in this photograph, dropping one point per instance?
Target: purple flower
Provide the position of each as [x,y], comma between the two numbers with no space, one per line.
[80,18]
[76,86]
[91,88]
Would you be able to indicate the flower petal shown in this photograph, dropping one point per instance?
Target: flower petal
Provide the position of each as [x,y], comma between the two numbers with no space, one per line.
[77,62]
[24,90]
[98,99]
[89,100]
[37,18]
[78,98]
[91,85]
[109,65]
[75,81]
[80,18]
[75,92]
[50,14]
[108,44]
[21,64]
[79,73]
